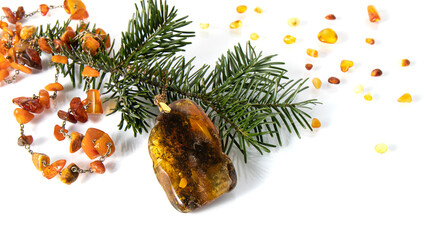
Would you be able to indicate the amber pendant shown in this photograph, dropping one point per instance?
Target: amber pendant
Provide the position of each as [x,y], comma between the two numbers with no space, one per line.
[187,157]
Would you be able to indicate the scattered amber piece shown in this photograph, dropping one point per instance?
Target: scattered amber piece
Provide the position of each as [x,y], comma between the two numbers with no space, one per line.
[44,45]
[315,123]
[345,65]
[44,9]
[236,24]
[95,143]
[20,13]
[3,74]
[312,53]
[40,160]
[21,68]
[89,72]
[317,83]
[66,116]
[97,167]
[76,141]
[241,8]
[184,144]
[293,22]
[52,170]
[258,10]
[59,45]
[57,132]
[308,66]
[70,174]
[204,25]
[381,148]
[67,36]
[31,58]
[359,89]
[23,116]
[54,87]
[25,139]
[368,97]
[376,72]
[29,104]
[327,35]
[254,36]
[59,59]
[90,44]
[405,98]
[334,80]
[330,17]
[4,64]
[373,14]
[405,62]
[288,39]
[27,32]
[44,98]
[9,15]
[94,102]
[370,41]
[77,108]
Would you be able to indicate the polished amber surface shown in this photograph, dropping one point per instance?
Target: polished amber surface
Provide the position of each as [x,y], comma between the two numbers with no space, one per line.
[76,141]
[41,161]
[29,104]
[52,170]
[44,46]
[78,110]
[97,167]
[44,9]
[94,102]
[89,72]
[66,116]
[27,32]
[94,143]
[57,132]
[9,15]
[327,35]
[187,157]
[70,174]
[22,116]
[54,87]
[31,58]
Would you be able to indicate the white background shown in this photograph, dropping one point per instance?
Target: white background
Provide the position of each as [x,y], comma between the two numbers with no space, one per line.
[330,184]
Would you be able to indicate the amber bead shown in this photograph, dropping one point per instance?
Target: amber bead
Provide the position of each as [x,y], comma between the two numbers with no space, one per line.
[308,66]
[97,167]
[315,123]
[330,17]
[27,32]
[21,68]
[327,35]
[59,59]
[32,58]
[44,9]
[94,143]
[376,72]
[288,39]
[67,36]
[4,64]
[40,161]
[89,72]
[345,65]
[59,45]
[76,142]
[3,24]
[317,83]
[293,22]
[25,139]
[373,14]
[187,157]
[405,63]
[20,13]
[57,132]
[105,38]
[66,116]
[334,80]
[78,110]
[254,36]
[94,102]
[405,98]
[370,41]
[80,14]
[44,45]
[52,170]
[368,97]
[312,53]
[9,15]
[11,55]
[204,25]
[90,44]
[241,9]
[3,74]
[70,174]
[29,104]
[258,10]
[236,24]
[23,116]
[21,46]
[54,87]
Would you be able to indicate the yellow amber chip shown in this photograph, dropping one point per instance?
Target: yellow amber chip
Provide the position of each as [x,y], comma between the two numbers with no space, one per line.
[317,83]
[254,36]
[204,25]
[359,89]
[405,98]
[258,10]
[236,24]
[381,148]
[312,53]
[241,8]
[327,35]
[315,123]
[405,62]
[288,39]
[368,97]
[293,22]
[345,65]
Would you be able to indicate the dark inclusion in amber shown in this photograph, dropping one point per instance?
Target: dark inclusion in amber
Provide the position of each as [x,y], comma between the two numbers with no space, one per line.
[187,157]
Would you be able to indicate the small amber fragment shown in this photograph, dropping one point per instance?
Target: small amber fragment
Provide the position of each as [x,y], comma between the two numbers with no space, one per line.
[370,41]
[105,37]
[334,80]
[288,39]
[27,32]
[20,13]
[330,17]
[359,89]
[327,35]
[76,141]
[44,98]
[58,134]
[59,45]
[312,53]
[95,143]
[54,87]
[21,46]
[3,74]
[254,36]
[308,66]
[80,15]
[381,148]
[59,59]
[376,72]
[236,24]
[315,123]
[204,25]
[29,104]
[40,160]
[345,65]
[258,10]
[97,167]
[405,62]
[52,170]
[89,72]
[3,24]
[23,116]
[293,22]
[368,97]
[70,174]
[21,68]
[77,108]
[31,58]
[373,14]
[317,83]
[44,9]
[4,64]
[67,36]
[25,139]
[94,102]
[66,116]
[90,44]
[44,45]
[9,15]
[241,8]
[405,98]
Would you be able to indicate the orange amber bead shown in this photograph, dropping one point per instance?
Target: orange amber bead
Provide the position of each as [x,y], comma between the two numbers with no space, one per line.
[334,80]
[315,123]
[73,6]
[376,72]
[66,116]
[90,44]
[308,66]
[288,39]
[29,104]
[52,170]
[405,98]
[25,139]
[23,116]
[44,45]
[9,15]
[67,36]
[70,174]
[3,74]
[40,161]
[258,10]
[90,72]
[27,32]
[405,62]
[78,110]
[4,64]
[57,133]
[54,87]
[241,9]
[236,24]
[44,9]
[312,53]
[370,41]
[21,68]
[345,65]
[59,59]
[330,17]
[20,13]
[105,38]
[327,35]
[97,167]
[94,102]
[44,98]
[76,142]
[94,143]
[373,14]
[3,24]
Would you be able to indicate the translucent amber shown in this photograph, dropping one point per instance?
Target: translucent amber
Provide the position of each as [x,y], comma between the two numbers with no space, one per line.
[77,108]
[52,170]
[241,8]
[381,148]
[370,41]
[334,80]
[67,36]
[376,73]
[405,62]
[74,5]
[3,24]
[317,83]
[97,167]
[66,116]
[20,13]
[76,142]
[330,17]
[23,116]
[54,87]
[9,15]
[94,102]
[405,98]
[258,10]
[44,99]
[29,104]
[187,157]
[21,68]
[293,22]
[104,36]
[4,64]
[44,45]
[94,143]
[327,35]
[89,72]
[57,132]
[27,32]
[236,24]
[70,174]
[373,14]
[346,64]
[40,160]
[312,53]
[308,66]
[44,9]
[90,44]
[315,123]
[204,25]
[368,97]
[359,89]
[59,59]
[254,36]
[288,39]
[31,58]
[3,74]
[25,139]
[59,45]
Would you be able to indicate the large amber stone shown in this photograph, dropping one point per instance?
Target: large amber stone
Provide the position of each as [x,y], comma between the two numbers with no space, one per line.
[187,157]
